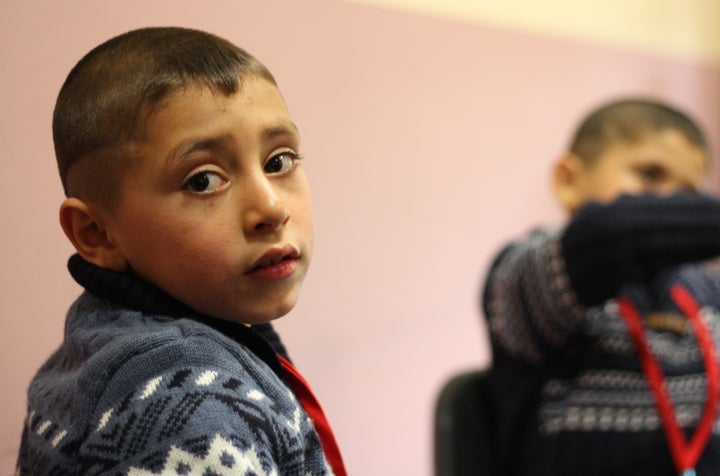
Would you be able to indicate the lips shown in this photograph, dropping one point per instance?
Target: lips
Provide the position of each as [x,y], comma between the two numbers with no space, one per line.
[278,263]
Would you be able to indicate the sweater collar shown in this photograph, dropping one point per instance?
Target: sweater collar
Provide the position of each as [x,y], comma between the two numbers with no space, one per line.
[131,291]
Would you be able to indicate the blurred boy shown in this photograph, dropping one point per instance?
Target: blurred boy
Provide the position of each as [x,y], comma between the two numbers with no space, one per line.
[190,213]
[574,388]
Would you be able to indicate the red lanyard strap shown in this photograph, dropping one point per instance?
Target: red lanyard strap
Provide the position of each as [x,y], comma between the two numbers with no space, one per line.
[685,456]
[314,410]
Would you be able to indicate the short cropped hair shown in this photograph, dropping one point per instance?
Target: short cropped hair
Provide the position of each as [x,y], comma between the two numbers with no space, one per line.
[626,121]
[106,100]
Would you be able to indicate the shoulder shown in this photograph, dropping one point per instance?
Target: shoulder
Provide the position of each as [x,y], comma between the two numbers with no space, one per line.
[113,349]
[535,238]
[105,341]
[702,279]
[132,391]
[535,248]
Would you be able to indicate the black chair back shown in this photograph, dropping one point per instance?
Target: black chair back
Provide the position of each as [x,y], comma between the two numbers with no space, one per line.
[464,426]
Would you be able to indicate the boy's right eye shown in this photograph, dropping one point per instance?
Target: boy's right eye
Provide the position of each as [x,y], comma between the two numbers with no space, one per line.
[651,173]
[204,182]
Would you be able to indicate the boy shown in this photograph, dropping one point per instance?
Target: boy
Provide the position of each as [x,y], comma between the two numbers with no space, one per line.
[577,373]
[190,213]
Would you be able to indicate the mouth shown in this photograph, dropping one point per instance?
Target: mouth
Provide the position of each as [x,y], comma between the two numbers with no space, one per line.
[275,258]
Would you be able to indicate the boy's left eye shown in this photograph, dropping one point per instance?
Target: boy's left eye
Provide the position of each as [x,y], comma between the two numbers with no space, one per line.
[204,182]
[651,173]
[281,163]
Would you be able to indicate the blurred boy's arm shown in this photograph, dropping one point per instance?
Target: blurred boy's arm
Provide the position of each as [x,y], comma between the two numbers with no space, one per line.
[634,238]
[529,304]
[539,287]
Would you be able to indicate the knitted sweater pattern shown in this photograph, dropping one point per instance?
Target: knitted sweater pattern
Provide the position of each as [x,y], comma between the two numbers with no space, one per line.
[143,386]
[570,395]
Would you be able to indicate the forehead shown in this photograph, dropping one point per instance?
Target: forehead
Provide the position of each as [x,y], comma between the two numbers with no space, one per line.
[256,101]
[668,147]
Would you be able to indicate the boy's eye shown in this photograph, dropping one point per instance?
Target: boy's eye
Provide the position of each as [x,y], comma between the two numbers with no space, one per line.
[281,163]
[651,173]
[204,182]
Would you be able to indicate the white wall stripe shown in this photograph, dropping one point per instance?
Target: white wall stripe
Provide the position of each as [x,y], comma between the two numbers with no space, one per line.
[688,29]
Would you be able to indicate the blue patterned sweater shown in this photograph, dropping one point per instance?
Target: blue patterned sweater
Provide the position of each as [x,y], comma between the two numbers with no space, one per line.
[142,385]
[570,397]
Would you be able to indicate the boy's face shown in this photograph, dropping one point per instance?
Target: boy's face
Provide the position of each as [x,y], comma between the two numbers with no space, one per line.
[215,207]
[662,162]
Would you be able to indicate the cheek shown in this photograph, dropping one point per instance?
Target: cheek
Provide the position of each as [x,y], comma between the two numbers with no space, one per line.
[211,243]
[169,245]
[304,218]
[633,185]
[308,232]
[618,183]
[302,229]
[300,204]
[196,260]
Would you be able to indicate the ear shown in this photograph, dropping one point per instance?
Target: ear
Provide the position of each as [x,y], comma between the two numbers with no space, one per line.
[567,179]
[83,227]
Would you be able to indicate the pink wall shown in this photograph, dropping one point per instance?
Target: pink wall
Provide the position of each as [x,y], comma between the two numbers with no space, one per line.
[428,146]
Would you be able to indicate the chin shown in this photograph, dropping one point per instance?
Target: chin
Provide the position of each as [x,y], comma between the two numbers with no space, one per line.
[281,312]
[263,316]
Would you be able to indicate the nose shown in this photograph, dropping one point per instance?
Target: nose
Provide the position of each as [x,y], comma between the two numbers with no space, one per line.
[264,209]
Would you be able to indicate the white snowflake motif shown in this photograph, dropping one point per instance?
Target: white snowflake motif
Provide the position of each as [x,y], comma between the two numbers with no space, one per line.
[223,459]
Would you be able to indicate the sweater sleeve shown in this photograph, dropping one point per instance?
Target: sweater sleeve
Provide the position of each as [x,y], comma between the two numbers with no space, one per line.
[635,238]
[530,306]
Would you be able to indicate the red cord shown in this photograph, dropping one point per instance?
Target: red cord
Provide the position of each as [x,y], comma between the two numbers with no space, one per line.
[684,455]
[314,411]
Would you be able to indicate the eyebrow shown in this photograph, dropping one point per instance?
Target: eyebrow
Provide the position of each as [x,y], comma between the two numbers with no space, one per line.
[284,128]
[194,144]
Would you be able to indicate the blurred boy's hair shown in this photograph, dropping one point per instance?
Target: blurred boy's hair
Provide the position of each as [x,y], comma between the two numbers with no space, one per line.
[627,121]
